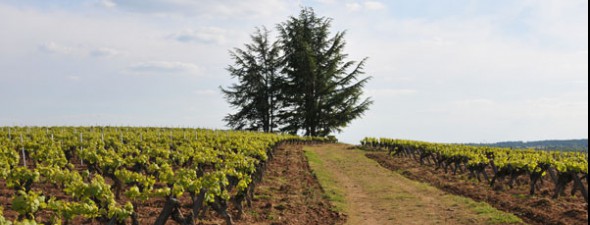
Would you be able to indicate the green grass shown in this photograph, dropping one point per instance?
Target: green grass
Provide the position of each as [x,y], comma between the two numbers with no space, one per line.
[493,215]
[332,192]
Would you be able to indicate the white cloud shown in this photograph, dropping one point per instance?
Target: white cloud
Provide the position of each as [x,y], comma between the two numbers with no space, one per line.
[353,6]
[390,92]
[474,103]
[552,108]
[104,52]
[55,48]
[561,21]
[206,8]
[160,67]
[327,1]
[373,5]
[547,112]
[206,92]
[203,35]
[463,51]
[366,5]
[52,47]
[107,3]
[74,78]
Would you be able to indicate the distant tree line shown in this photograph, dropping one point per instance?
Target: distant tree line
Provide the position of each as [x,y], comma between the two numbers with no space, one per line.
[579,145]
[300,83]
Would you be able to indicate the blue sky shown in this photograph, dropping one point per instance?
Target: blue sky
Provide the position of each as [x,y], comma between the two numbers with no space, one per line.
[446,71]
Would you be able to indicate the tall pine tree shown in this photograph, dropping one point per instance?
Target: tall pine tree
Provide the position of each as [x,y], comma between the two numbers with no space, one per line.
[256,93]
[303,83]
[322,90]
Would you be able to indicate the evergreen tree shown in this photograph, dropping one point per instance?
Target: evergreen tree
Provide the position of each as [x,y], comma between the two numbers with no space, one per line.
[303,82]
[321,89]
[256,93]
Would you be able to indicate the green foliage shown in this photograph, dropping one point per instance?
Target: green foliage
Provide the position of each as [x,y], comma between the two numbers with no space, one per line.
[3,220]
[26,222]
[68,210]
[256,96]
[527,160]
[303,82]
[322,90]
[139,163]
[28,203]
[21,178]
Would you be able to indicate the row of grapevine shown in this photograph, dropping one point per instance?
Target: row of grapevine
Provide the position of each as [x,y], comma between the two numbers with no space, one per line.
[104,174]
[563,168]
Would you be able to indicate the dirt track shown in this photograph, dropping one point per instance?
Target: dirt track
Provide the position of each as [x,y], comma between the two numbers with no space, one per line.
[289,194]
[376,195]
[537,209]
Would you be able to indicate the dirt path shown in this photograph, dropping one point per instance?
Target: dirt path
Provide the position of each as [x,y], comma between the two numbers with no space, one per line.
[289,194]
[371,194]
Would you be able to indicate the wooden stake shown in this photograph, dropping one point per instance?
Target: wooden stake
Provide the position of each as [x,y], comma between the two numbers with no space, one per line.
[23,150]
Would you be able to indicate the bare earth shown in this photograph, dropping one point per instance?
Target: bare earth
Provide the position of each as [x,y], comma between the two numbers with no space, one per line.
[375,195]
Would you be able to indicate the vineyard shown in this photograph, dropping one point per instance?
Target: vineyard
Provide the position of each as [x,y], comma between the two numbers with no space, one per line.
[492,165]
[130,175]
[105,175]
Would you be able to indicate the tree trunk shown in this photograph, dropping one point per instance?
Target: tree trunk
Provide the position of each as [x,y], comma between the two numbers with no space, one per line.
[171,204]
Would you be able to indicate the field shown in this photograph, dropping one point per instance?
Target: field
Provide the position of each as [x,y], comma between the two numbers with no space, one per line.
[124,175]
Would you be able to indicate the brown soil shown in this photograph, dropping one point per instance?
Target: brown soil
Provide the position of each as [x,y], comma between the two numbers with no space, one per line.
[539,209]
[289,194]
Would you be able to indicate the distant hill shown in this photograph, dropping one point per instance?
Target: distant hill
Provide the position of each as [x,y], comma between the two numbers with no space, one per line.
[560,145]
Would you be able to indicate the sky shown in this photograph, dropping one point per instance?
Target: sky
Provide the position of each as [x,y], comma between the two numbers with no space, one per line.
[442,71]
